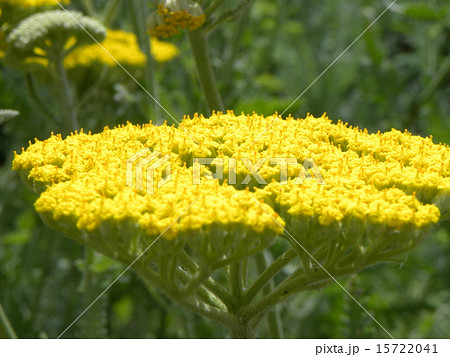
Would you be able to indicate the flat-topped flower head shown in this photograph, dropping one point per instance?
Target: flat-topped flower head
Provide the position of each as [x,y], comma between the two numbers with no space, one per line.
[83,192]
[380,194]
[51,32]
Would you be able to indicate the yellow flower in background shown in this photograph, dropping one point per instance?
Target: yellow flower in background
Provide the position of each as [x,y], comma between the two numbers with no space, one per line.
[26,4]
[163,51]
[120,45]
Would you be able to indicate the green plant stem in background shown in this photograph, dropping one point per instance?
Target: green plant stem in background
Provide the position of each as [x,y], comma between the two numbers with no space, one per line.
[89,7]
[213,7]
[139,18]
[6,330]
[205,72]
[418,101]
[87,274]
[69,101]
[110,12]
[37,102]
[273,317]
[227,67]
[228,15]
[90,92]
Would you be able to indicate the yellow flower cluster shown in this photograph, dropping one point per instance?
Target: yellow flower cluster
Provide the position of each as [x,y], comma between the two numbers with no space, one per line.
[393,181]
[163,51]
[26,4]
[120,45]
[82,180]
[170,22]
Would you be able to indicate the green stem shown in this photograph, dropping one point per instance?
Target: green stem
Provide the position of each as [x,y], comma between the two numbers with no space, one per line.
[437,78]
[234,258]
[110,12]
[196,281]
[213,7]
[273,317]
[89,94]
[291,285]
[418,101]
[235,279]
[37,101]
[206,296]
[282,292]
[89,7]
[139,16]
[67,91]
[242,331]
[87,275]
[227,67]
[227,16]
[268,274]
[205,72]
[191,303]
[210,283]
[6,329]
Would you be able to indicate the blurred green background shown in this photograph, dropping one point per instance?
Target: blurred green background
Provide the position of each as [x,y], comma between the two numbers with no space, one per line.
[396,75]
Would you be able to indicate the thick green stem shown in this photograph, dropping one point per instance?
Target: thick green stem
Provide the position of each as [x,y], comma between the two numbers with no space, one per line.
[87,275]
[273,317]
[243,330]
[205,72]
[235,275]
[6,330]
